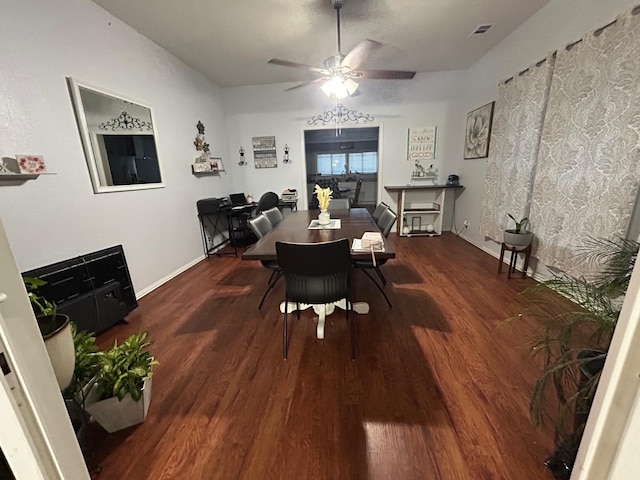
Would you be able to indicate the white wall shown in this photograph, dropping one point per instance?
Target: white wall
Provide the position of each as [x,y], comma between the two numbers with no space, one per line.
[56,217]
[429,99]
[554,26]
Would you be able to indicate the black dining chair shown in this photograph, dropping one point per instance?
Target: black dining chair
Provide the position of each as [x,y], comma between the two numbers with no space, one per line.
[381,207]
[261,225]
[316,274]
[274,215]
[385,222]
[267,200]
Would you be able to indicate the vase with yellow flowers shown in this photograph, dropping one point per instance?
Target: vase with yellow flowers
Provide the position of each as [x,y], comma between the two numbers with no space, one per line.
[324,197]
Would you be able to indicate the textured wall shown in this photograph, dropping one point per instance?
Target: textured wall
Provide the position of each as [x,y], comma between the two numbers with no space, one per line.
[58,216]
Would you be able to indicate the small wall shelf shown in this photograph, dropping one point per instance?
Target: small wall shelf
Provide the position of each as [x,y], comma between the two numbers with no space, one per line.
[14,178]
[213,167]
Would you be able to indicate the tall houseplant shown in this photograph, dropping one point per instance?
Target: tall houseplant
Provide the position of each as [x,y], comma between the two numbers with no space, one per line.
[573,342]
[123,384]
[55,329]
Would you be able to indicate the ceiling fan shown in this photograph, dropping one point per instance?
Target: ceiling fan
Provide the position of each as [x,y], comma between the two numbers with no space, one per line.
[340,71]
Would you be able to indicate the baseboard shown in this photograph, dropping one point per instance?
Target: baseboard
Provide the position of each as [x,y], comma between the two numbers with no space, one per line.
[166,278]
[537,276]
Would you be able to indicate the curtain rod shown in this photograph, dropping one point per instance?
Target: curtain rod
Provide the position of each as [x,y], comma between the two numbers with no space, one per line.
[597,32]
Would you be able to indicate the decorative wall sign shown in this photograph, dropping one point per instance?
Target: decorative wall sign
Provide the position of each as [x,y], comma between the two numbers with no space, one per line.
[125,122]
[478,134]
[422,144]
[340,114]
[264,152]
[31,164]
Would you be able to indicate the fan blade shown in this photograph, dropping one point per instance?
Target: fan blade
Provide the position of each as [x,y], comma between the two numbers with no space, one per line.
[359,54]
[383,74]
[285,63]
[304,84]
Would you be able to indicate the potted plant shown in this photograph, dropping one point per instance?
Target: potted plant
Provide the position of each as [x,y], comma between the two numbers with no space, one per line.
[324,197]
[123,384]
[55,329]
[518,236]
[79,392]
[574,341]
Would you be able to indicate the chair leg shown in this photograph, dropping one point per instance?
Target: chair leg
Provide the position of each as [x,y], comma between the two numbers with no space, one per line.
[379,272]
[377,285]
[272,283]
[284,330]
[352,327]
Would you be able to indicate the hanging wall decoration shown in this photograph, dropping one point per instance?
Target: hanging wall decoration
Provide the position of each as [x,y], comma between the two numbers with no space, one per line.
[422,144]
[264,152]
[478,134]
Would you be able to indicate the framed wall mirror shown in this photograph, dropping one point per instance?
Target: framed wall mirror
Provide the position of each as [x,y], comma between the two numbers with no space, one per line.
[119,140]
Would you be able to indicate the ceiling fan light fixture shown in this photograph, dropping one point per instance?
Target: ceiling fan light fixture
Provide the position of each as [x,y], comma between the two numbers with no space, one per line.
[339,87]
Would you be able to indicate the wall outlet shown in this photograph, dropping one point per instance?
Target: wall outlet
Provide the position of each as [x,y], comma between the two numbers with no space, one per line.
[466,223]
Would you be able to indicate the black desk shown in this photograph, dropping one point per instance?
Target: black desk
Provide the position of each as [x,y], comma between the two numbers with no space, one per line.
[218,219]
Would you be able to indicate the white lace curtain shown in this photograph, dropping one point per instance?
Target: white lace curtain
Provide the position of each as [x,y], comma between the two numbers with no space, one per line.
[515,141]
[584,179]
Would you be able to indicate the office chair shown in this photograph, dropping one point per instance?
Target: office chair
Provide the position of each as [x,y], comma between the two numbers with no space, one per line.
[385,222]
[316,274]
[267,200]
[260,225]
[274,215]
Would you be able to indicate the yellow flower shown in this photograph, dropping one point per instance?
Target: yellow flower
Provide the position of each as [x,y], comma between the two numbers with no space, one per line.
[324,196]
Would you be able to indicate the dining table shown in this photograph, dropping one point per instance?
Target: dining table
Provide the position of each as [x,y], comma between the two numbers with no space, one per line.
[301,226]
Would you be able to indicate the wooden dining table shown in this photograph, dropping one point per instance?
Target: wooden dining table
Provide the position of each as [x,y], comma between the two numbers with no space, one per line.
[295,228]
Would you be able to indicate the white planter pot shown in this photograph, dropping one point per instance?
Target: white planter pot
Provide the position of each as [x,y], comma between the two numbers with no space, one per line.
[522,239]
[113,414]
[62,353]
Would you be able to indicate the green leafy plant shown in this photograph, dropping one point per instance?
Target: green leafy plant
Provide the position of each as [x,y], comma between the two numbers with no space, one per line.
[87,364]
[125,367]
[520,225]
[574,337]
[39,303]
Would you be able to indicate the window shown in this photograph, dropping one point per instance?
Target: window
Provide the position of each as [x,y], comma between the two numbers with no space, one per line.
[365,162]
[331,163]
[339,163]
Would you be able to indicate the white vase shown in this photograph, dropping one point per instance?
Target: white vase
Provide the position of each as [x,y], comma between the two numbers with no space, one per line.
[324,218]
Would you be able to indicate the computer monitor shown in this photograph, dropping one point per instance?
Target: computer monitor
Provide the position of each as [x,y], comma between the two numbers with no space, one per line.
[238,199]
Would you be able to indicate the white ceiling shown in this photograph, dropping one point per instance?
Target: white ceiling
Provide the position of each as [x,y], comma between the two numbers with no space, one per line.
[230,42]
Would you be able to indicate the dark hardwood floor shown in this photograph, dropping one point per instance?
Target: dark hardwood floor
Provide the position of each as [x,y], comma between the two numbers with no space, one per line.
[439,388]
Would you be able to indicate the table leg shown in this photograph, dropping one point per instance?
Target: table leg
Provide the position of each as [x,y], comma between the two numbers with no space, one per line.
[323,310]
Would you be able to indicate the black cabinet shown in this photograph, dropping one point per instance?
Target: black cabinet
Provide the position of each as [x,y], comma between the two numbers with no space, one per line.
[95,289]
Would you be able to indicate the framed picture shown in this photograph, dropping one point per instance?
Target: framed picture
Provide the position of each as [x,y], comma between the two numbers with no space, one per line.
[478,132]
[264,152]
[421,144]
[31,164]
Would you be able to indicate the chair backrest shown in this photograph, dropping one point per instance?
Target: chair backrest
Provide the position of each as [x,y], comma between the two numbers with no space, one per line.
[267,200]
[274,215]
[386,221]
[339,204]
[260,225]
[315,273]
[378,211]
[356,195]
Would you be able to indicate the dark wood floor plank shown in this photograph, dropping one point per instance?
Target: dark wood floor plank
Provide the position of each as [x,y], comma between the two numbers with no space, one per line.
[439,389]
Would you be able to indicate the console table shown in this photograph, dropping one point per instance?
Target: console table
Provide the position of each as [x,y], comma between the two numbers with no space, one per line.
[421,208]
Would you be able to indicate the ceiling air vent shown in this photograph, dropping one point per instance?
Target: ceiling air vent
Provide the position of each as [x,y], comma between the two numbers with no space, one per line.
[481,29]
